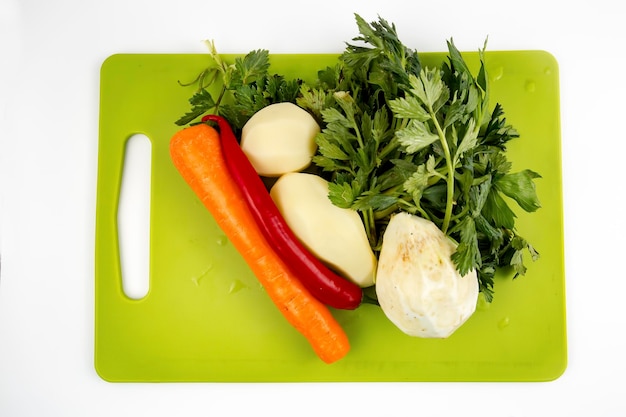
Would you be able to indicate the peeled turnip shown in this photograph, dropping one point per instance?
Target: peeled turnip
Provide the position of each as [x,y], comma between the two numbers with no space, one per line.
[418,286]
[334,235]
[280,138]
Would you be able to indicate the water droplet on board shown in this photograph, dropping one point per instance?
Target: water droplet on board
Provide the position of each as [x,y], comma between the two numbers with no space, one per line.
[547,71]
[497,73]
[222,240]
[530,86]
[236,286]
[504,323]
[198,278]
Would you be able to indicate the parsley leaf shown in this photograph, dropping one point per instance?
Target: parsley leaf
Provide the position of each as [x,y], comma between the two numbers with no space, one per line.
[416,136]
[343,195]
[201,102]
[520,187]
[250,69]
[467,256]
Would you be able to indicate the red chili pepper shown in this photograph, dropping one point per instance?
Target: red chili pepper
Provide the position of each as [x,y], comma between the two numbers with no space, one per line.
[328,287]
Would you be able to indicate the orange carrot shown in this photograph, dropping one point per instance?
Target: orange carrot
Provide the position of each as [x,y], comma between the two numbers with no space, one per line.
[196,153]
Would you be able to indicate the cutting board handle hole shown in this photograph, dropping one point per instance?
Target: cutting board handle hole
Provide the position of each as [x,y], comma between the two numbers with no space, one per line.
[133,217]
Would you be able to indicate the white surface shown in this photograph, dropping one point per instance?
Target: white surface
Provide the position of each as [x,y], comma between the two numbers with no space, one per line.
[133,217]
[50,54]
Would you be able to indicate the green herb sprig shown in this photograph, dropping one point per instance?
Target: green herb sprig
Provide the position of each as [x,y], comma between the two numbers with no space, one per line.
[246,86]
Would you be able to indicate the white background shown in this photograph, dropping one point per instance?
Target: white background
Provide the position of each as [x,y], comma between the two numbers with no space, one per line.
[50,55]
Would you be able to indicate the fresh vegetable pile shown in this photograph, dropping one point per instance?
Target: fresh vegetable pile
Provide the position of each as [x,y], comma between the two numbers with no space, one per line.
[377,143]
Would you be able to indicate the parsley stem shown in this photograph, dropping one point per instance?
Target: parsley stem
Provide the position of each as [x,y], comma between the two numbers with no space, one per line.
[369,222]
[219,99]
[450,168]
[463,212]
[358,133]
[391,146]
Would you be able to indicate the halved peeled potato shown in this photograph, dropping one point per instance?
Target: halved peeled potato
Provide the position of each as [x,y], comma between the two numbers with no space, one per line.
[280,138]
[333,234]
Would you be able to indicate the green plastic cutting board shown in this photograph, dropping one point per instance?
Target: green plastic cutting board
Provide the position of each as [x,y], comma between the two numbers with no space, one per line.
[206,318]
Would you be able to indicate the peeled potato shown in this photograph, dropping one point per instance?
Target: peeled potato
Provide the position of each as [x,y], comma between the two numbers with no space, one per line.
[417,284]
[334,235]
[280,138]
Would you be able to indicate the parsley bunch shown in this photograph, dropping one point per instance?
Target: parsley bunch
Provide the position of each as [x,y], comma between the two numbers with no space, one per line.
[398,136]
[246,87]
[403,137]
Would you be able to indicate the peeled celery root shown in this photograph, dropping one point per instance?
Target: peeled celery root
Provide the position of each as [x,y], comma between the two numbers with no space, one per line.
[417,284]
